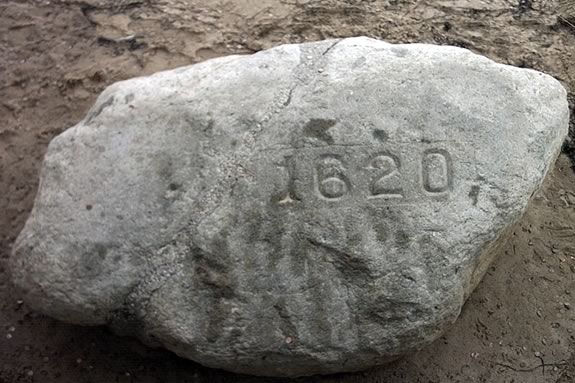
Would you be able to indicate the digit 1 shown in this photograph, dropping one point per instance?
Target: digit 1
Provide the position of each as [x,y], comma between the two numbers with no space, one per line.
[289,196]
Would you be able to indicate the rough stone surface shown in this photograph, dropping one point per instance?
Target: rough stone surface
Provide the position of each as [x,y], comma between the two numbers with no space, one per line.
[308,209]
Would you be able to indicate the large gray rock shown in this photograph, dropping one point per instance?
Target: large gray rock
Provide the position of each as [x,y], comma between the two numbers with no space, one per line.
[308,209]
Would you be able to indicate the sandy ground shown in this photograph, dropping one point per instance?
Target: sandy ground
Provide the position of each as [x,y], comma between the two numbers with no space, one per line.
[55,58]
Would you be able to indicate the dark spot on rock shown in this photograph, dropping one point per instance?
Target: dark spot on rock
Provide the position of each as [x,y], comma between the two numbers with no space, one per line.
[234,143]
[101,250]
[409,277]
[288,101]
[380,135]
[348,264]
[209,127]
[213,273]
[89,207]
[400,52]
[474,194]
[165,169]
[286,322]
[402,239]
[129,98]
[359,62]
[174,186]
[93,262]
[100,109]
[318,128]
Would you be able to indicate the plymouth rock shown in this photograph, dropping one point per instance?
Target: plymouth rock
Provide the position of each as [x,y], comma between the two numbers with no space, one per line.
[308,209]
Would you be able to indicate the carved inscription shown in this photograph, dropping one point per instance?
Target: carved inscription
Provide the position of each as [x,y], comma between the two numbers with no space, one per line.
[333,174]
[331,180]
[437,171]
[289,195]
[387,176]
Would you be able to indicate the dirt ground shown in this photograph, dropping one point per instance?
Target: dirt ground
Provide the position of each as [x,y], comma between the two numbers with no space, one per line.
[57,55]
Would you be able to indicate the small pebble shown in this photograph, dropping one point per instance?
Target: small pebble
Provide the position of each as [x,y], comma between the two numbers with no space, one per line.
[8,336]
[537,354]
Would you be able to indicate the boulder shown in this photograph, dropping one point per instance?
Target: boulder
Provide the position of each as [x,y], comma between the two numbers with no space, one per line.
[308,209]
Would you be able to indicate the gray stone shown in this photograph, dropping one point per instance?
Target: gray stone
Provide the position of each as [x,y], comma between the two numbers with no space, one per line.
[307,209]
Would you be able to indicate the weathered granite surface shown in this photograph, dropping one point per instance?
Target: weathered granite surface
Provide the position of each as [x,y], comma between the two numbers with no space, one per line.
[308,209]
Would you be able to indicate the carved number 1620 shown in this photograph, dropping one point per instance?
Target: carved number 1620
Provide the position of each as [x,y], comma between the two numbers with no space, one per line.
[385,176]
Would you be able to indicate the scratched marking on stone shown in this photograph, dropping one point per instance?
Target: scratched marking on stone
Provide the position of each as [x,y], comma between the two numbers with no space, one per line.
[345,175]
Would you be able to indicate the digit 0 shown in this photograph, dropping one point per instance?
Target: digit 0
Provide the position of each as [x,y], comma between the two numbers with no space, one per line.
[437,169]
